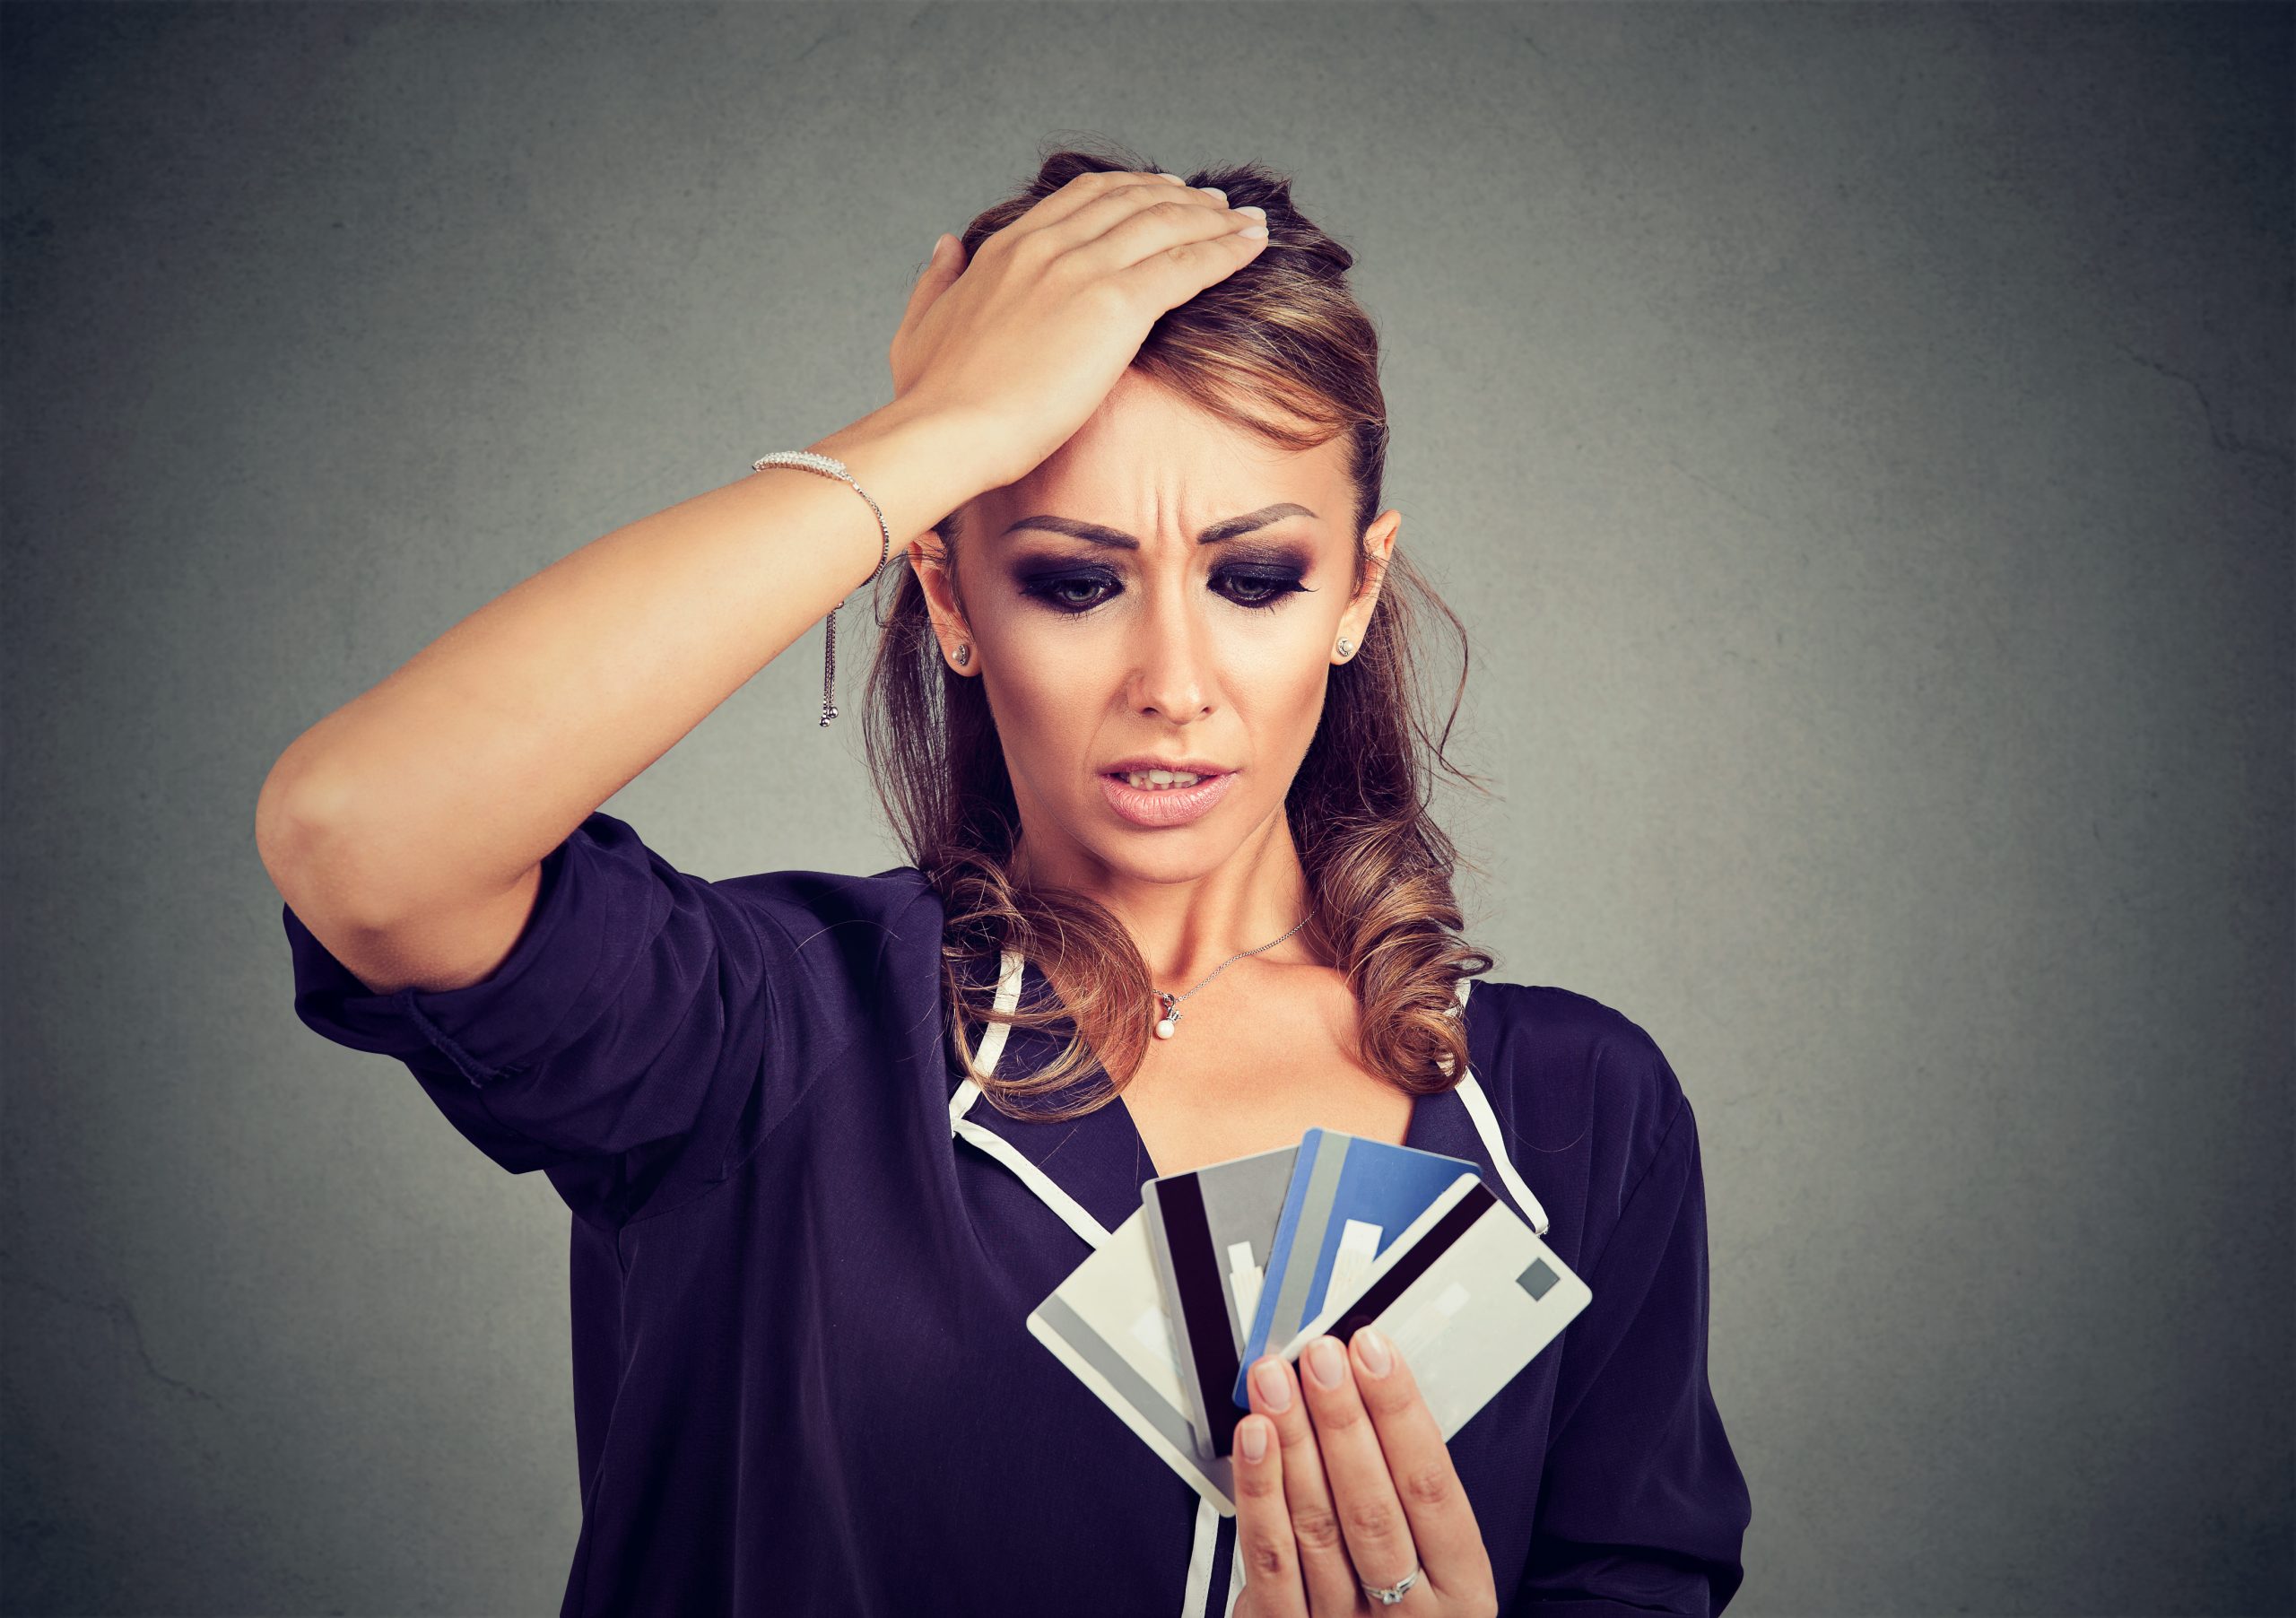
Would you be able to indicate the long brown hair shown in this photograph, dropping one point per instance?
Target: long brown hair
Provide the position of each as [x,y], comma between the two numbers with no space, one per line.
[1282,348]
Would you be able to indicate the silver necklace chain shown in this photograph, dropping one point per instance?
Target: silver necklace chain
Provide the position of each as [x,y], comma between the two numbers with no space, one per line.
[1169,1023]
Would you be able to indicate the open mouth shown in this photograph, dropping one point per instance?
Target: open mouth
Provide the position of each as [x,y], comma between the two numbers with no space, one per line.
[1164,797]
[1158,781]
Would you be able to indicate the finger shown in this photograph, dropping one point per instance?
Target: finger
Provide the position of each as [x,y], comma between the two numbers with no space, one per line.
[1363,1494]
[1270,1560]
[1190,256]
[1443,1529]
[1324,1571]
[1120,227]
[1084,189]
[1081,191]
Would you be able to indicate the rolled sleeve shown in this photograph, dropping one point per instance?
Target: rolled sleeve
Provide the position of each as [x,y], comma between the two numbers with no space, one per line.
[1642,1506]
[634,995]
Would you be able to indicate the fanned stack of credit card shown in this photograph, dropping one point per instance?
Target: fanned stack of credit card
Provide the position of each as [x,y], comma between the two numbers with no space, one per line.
[1266,1253]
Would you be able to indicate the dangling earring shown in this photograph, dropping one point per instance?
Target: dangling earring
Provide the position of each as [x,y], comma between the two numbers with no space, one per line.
[1342,646]
[964,653]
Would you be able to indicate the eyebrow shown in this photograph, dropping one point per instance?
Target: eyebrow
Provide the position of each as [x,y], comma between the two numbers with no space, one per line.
[1228,528]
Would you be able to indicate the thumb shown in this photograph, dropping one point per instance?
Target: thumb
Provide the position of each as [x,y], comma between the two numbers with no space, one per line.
[940,270]
[943,266]
[946,262]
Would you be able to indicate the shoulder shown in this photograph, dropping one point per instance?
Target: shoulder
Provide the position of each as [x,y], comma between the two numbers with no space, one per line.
[806,900]
[1582,1090]
[800,899]
[800,915]
[888,923]
[1558,1046]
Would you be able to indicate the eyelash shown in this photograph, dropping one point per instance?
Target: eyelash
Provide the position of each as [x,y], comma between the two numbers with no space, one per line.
[1279,585]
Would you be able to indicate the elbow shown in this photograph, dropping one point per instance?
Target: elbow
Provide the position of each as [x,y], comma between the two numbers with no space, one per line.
[288,809]
[298,837]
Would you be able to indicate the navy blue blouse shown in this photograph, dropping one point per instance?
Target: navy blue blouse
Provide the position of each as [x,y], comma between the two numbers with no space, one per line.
[799,1279]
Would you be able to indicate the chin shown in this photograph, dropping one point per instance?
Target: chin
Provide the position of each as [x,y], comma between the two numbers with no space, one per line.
[1170,853]
[1178,856]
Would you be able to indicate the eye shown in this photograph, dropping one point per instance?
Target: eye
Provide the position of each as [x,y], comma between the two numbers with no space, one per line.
[1074,593]
[1054,589]
[1259,590]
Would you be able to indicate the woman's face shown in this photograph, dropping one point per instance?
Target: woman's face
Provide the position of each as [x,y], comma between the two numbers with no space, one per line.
[1164,586]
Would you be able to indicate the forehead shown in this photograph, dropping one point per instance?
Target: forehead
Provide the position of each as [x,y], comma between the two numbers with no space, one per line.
[1159,465]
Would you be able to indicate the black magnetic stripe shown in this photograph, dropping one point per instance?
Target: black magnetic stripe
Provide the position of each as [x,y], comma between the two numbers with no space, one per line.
[1204,1302]
[1416,1263]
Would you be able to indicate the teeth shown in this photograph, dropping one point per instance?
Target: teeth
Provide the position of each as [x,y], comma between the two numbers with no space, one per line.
[1149,780]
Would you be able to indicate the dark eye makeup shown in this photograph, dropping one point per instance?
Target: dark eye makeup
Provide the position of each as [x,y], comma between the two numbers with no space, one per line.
[1073,589]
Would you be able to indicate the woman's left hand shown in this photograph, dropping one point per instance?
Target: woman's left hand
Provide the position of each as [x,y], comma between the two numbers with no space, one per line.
[1353,1484]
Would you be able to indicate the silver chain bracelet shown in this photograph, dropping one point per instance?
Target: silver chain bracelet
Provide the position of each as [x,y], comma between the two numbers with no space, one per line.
[830,467]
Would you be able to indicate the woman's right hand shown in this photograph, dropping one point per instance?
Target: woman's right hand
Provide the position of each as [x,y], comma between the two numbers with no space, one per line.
[1027,340]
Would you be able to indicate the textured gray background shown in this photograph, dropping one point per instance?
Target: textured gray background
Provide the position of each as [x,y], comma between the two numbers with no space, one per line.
[1857,438]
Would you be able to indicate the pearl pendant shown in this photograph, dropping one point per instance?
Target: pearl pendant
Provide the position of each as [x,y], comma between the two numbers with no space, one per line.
[1166,1029]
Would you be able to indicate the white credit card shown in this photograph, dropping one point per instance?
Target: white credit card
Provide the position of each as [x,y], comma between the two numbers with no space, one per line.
[1467,1293]
[1108,1324]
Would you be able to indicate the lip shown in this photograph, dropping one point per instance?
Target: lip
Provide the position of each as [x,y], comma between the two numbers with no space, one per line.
[1149,761]
[1171,807]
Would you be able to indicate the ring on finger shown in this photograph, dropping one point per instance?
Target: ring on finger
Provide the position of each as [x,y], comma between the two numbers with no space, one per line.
[1389,1594]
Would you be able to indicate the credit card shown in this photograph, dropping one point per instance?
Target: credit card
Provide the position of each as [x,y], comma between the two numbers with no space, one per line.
[1108,1324]
[1348,1198]
[1209,1232]
[1468,1294]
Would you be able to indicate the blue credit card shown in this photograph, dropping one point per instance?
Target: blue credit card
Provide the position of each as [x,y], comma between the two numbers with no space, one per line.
[1348,1200]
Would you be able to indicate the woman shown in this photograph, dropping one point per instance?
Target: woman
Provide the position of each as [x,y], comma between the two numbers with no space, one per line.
[829,1138]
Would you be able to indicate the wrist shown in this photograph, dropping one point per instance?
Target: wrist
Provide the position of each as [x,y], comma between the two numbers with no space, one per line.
[918,464]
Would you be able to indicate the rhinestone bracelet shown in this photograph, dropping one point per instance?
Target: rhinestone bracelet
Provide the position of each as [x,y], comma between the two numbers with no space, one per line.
[830,467]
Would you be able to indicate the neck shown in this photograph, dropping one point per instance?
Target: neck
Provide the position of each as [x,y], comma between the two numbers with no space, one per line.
[1185,926]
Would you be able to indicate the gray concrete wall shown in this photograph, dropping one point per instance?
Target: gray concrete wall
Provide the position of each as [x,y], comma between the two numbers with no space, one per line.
[1857,438]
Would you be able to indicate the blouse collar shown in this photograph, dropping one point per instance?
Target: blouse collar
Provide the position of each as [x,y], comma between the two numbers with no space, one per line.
[1089,1170]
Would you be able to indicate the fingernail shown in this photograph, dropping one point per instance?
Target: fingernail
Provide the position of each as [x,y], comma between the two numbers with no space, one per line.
[1251,1437]
[1274,1386]
[1326,1362]
[1374,1349]
[1162,174]
[1214,191]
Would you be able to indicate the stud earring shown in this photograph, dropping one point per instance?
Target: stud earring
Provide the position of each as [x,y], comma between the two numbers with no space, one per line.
[964,653]
[1342,646]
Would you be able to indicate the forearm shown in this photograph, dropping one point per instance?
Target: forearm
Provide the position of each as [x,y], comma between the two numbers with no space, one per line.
[461,769]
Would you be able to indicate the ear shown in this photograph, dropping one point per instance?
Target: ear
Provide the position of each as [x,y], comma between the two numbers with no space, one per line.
[1355,622]
[927,558]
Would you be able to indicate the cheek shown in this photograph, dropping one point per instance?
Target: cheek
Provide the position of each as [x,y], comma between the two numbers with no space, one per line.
[1284,704]
[1048,690]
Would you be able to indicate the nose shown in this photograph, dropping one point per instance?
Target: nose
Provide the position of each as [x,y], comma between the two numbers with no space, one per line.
[1172,672]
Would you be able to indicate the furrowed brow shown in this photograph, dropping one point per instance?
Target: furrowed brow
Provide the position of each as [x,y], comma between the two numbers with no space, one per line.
[1117,539]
